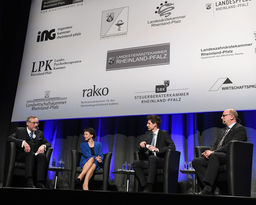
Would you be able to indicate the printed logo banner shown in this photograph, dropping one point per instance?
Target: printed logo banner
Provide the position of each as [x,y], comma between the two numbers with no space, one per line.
[151,55]
[95,58]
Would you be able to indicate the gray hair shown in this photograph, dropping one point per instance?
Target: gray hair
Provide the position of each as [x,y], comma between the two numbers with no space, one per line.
[233,112]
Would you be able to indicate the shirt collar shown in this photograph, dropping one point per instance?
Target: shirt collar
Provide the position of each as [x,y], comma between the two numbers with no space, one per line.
[230,126]
[156,132]
[29,131]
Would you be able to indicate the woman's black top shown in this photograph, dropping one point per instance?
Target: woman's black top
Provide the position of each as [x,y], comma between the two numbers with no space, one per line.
[92,151]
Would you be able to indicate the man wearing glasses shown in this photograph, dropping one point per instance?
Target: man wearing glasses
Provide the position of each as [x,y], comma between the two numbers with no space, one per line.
[31,147]
[207,166]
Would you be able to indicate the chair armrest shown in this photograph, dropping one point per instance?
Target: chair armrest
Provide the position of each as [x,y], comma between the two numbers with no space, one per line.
[107,160]
[136,155]
[74,154]
[239,168]
[171,171]
[11,161]
[48,154]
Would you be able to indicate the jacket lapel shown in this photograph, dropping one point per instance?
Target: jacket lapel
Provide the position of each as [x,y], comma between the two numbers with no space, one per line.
[158,138]
[230,134]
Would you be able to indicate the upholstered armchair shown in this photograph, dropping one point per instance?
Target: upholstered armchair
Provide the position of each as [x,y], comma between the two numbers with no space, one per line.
[168,175]
[18,168]
[100,175]
[235,177]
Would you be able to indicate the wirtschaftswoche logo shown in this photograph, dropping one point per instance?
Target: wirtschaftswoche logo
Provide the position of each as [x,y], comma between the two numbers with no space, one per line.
[164,15]
[227,4]
[163,93]
[114,22]
[49,66]
[57,34]
[225,84]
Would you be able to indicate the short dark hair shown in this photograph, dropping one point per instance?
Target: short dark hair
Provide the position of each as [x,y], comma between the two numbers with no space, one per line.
[155,119]
[30,117]
[91,131]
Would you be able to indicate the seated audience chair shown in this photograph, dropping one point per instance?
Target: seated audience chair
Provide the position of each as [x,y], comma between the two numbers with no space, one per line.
[101,175]
[234,177]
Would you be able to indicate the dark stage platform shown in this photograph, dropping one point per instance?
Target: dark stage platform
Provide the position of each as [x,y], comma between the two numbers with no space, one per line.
[49,196]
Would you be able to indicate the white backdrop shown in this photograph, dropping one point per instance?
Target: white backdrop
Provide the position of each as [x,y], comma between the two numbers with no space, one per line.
[94,58]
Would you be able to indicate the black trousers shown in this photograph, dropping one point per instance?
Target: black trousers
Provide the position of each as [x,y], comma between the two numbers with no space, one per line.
[35,165]
[149,166]
[207,169]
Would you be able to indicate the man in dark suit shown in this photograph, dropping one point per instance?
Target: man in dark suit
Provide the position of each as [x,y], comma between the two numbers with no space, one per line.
[152,148]
[207,166]
[31,147]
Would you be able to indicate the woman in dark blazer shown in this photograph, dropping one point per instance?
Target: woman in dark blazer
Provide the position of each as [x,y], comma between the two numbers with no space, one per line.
[91,159]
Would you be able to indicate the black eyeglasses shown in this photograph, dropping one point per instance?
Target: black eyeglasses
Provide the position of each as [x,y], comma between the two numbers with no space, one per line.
[34,122]
[224,115]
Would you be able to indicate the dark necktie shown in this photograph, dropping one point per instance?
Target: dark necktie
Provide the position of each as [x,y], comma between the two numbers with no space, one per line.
[31,135]
[153,142]
[223,137]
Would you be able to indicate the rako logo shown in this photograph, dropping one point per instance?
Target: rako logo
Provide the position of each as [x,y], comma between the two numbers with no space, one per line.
[46,35]
[92,92]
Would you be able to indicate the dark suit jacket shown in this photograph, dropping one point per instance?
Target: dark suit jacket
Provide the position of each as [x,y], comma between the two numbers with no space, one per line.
[22,134]
[163,143]
[237,132]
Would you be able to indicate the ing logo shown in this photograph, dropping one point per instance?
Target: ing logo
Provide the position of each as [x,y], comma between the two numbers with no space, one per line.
[46,35]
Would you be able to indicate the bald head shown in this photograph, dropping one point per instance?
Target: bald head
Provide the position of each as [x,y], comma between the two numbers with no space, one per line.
[229,116]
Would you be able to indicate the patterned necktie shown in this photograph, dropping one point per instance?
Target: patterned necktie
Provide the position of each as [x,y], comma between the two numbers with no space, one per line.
[223,137]
[31,135]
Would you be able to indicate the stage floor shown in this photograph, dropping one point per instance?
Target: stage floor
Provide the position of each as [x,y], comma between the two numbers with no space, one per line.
[47,196]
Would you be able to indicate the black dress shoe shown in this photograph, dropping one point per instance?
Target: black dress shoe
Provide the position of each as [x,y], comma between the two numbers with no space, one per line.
[40,185]
[30,183]
[207,190]
[148,188]
[78,183]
